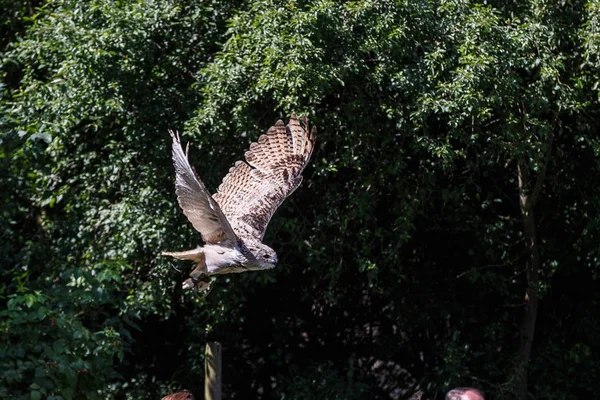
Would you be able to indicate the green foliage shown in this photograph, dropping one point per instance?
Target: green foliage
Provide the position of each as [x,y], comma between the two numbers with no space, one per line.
[47,352]
[87,199]
[402,255]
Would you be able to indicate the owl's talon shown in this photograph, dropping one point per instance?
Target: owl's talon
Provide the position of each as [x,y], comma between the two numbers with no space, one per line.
[200,282]
[200,278]
[205,288]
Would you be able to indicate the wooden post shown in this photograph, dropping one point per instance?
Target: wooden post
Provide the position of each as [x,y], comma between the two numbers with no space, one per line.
[212,374]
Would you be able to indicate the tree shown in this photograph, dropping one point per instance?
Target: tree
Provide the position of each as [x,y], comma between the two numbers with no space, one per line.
[87,197]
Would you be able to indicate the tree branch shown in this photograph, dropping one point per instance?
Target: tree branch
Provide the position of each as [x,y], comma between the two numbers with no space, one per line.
[541,176]
[523,179]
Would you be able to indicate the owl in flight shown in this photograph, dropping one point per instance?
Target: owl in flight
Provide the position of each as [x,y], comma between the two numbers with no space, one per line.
[233,221]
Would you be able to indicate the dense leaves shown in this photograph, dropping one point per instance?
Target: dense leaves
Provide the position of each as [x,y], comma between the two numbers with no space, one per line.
[406,254]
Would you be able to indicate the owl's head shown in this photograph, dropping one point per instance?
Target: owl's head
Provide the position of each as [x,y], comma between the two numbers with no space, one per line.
[266,256]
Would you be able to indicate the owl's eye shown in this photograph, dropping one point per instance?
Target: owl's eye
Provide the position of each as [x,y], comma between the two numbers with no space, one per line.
[266,256]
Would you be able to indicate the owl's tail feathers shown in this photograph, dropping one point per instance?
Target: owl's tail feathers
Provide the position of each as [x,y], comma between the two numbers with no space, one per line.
[199,277]
[194,255]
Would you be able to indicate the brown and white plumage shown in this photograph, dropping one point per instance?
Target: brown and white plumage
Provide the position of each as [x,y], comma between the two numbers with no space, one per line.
[249,196]
[195,200]
[233,221]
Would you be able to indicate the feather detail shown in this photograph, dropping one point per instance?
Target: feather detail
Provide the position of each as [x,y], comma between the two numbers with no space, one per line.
[195,200]
[251,192]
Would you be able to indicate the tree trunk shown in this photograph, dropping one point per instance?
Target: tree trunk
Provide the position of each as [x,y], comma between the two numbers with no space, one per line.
[531,292]
[528,196]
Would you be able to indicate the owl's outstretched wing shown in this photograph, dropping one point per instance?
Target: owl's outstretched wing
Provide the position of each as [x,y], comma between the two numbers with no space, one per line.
[252,191]
[196,202]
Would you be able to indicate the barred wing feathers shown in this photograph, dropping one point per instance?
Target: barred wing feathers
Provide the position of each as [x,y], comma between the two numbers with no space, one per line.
[196,202]
[249,196]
